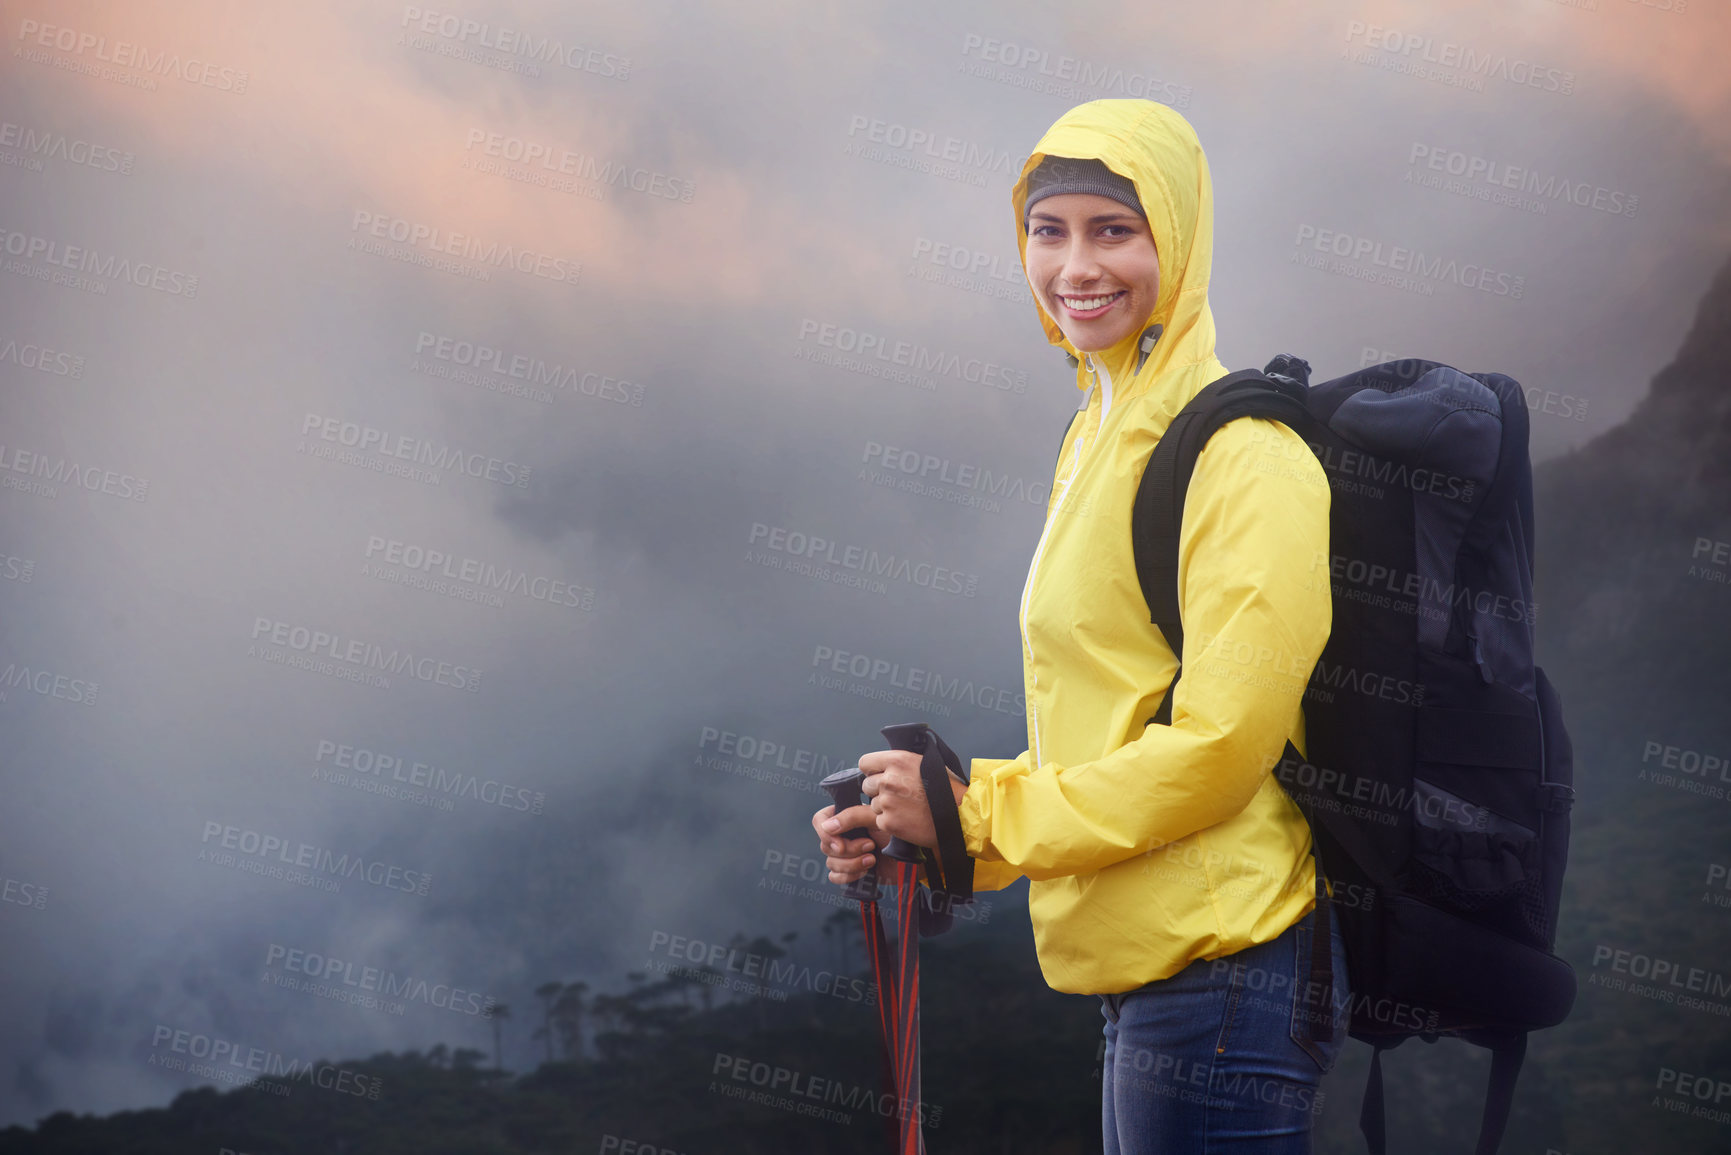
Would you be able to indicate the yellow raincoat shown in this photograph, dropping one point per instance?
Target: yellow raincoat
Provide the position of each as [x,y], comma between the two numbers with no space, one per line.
[1149,847]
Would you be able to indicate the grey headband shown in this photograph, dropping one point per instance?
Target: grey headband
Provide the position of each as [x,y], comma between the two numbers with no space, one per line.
[1063,174]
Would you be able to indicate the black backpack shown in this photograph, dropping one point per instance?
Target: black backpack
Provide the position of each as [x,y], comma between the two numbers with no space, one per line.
[1439,776]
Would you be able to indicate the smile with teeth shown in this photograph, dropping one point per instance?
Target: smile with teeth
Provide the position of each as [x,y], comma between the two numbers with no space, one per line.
[1089,304]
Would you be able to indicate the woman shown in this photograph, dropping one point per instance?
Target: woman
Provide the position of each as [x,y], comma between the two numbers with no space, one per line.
[1170,874]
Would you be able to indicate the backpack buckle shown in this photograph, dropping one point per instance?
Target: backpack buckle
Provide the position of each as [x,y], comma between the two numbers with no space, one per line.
[1557,797]
[1286,367]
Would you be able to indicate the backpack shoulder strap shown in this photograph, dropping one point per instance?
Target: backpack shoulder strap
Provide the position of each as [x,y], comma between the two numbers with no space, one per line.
[1158,514]
[1507,1055]
[1066,436]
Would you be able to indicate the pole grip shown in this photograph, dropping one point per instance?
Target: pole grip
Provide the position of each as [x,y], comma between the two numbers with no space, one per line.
[844,789]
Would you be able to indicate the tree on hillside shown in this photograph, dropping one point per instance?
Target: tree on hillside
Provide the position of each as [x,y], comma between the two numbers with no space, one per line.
[501,1012]
[547,992]
[566,1018]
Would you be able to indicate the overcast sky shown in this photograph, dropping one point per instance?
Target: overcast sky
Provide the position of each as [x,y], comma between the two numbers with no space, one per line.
[654,421]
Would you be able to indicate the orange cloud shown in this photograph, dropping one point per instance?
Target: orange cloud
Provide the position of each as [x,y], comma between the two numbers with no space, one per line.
[338,116]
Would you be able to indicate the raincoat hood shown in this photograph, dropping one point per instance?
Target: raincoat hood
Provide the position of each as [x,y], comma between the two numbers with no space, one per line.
[1157,150]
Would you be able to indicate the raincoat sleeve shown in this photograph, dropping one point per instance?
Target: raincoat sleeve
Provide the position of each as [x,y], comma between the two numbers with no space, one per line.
[989,874]
[1253,585]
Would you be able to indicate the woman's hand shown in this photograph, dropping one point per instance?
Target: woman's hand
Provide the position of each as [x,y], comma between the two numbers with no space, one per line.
[898,795]
[848,858]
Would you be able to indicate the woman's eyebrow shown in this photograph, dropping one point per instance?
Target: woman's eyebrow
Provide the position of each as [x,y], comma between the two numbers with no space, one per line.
[1094,220]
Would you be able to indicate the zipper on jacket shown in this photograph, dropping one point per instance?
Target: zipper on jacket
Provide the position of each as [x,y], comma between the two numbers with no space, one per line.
[1103,377]
[1103,382]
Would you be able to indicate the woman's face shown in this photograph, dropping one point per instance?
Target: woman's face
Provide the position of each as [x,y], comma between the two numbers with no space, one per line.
[1092,265]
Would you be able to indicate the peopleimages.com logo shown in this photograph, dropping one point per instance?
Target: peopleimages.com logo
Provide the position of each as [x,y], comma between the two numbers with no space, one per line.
[279,641]
[105,57]
[344,980]
[1401,266]
[41,359]
[46,682]
[268,853]
[40,144]
[1423,55]
[422,238]
[518,43]
[227,1061]
[104,267]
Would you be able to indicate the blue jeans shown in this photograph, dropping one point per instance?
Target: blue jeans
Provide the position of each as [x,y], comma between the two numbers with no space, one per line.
[1218,1057]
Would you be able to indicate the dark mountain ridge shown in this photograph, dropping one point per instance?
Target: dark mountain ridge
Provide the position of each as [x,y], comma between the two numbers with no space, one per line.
[1629,617]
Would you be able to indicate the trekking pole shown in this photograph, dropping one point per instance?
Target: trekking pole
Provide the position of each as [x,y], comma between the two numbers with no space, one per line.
[844,788]
[950,873]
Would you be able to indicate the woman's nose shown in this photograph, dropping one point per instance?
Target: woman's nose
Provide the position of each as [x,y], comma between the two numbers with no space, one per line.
[1080,265]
